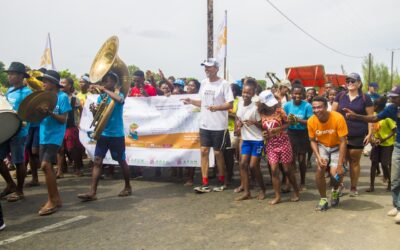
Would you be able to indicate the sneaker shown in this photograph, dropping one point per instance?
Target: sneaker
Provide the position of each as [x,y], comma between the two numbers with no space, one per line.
[397,218]
[2,226]
[354,193]
[335,198]
[393,212]
[219,188]
[202,189]
[322,205]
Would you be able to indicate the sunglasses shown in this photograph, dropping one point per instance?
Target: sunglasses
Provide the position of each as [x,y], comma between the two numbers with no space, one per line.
[351,81]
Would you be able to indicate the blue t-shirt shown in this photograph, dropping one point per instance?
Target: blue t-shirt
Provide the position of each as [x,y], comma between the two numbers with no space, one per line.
[357,105]
[115,125]
[51,131]
[302,111]
[15,97]
[373,96]
[392,112]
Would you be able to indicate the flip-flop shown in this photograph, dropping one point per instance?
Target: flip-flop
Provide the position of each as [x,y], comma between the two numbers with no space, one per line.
[87,197]
[4,193]
[125,192]
[14,197]
[32,184]
[47,211]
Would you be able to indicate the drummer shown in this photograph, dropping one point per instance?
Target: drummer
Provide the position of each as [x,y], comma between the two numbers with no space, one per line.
[16,145]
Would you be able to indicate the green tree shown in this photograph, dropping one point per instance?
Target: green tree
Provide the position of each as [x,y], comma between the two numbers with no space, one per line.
[263,83]
[379,73]
[132,68]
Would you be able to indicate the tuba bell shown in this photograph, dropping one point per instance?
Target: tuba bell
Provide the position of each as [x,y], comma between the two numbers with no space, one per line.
[33,82]
[107,59]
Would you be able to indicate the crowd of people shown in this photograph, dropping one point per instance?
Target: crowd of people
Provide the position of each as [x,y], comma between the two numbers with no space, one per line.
[285,124]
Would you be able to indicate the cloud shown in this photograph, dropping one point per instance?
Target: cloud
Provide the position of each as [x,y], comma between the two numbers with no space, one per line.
[148,33]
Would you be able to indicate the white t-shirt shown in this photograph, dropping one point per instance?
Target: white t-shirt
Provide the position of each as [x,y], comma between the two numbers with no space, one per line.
[250,112]
[212,94]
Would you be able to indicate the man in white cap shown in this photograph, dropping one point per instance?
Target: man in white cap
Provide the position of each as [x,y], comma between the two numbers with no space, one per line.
[216,99]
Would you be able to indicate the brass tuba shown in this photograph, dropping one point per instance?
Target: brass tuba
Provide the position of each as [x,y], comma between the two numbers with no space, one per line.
[107,59]
[33,82]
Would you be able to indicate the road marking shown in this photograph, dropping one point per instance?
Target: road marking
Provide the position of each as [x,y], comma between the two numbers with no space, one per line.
[42,230]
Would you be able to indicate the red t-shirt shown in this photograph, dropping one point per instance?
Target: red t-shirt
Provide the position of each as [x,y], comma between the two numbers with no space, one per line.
[150,90]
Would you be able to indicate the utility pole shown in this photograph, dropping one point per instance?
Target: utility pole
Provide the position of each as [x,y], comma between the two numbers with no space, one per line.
[210,28]
[369,68]
[391,67]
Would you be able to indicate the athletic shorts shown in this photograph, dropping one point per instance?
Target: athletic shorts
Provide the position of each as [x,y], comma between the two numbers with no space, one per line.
[217,139]
[382,154]
[253,148]
[71,139]
[48,153]
[32,141]
[329,153]
[279,150]
[355,142]
[16,147]
[299,141]
[116,145]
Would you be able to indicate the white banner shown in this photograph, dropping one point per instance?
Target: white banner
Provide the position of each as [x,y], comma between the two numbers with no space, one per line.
[159,131]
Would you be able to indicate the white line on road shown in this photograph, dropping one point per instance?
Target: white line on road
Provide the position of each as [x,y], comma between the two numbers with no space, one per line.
[41,230]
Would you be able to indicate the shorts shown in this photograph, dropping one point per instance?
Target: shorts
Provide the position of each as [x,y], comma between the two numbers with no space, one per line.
[32,141]
[253,148]
[48,153]
[217,139]
[16,147]
[299,141]
[279,150]
[116,145]
[71,139]
[329,153]
[382,154]
[355,142]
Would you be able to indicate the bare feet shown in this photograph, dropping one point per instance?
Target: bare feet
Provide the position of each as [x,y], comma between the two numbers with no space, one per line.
[243,197]
[275,201]
[295,197]
[261,195]
[238,189]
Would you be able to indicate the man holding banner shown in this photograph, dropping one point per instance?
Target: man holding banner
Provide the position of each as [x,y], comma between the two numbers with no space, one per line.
[216,99]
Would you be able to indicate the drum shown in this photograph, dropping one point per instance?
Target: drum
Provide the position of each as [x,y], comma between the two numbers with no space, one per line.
[10,122]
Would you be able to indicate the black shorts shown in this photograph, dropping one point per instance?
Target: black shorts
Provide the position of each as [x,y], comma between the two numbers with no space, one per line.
[48,153]
[382,154]
[217,139]
[116,145]
[355,142]
[299,140]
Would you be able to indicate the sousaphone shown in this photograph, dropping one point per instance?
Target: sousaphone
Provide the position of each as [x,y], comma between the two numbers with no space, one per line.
[107,59]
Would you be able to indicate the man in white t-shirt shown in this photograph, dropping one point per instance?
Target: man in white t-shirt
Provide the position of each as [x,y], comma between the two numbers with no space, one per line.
[216,99]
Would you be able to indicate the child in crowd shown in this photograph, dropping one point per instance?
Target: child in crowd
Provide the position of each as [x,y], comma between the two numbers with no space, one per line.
[249,124]
[331,98]
[274,125]
[384,134]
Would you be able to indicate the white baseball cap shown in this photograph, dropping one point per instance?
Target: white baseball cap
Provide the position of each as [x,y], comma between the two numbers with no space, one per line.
[210,62]
[268,98]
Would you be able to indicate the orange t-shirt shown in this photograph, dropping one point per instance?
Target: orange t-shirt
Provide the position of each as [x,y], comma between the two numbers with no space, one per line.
[327,133]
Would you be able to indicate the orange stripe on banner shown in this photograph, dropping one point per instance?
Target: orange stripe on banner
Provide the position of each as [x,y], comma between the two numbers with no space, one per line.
[178,141]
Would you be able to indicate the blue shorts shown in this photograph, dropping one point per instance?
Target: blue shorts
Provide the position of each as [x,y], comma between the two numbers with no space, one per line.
[32,141]
[116,145]
[253,148]
[16,147]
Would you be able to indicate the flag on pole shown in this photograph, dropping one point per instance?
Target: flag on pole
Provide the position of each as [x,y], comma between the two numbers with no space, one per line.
[46,61]
[221,41]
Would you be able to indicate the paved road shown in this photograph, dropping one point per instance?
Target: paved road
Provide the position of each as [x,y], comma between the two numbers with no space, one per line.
[166,215]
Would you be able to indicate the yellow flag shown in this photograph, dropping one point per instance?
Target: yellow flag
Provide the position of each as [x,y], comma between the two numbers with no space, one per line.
[221,41]
[46,61]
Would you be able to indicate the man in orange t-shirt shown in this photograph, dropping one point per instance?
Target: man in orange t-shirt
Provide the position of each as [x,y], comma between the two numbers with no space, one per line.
[327,132]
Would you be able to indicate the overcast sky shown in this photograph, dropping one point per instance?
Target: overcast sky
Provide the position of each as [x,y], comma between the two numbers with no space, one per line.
[172,34]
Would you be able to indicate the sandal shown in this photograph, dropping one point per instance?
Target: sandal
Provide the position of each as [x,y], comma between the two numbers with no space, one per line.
[125,192]
[5,193]
[238,189]
[47,211]
[87,197]
[14,197]
[32,184]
